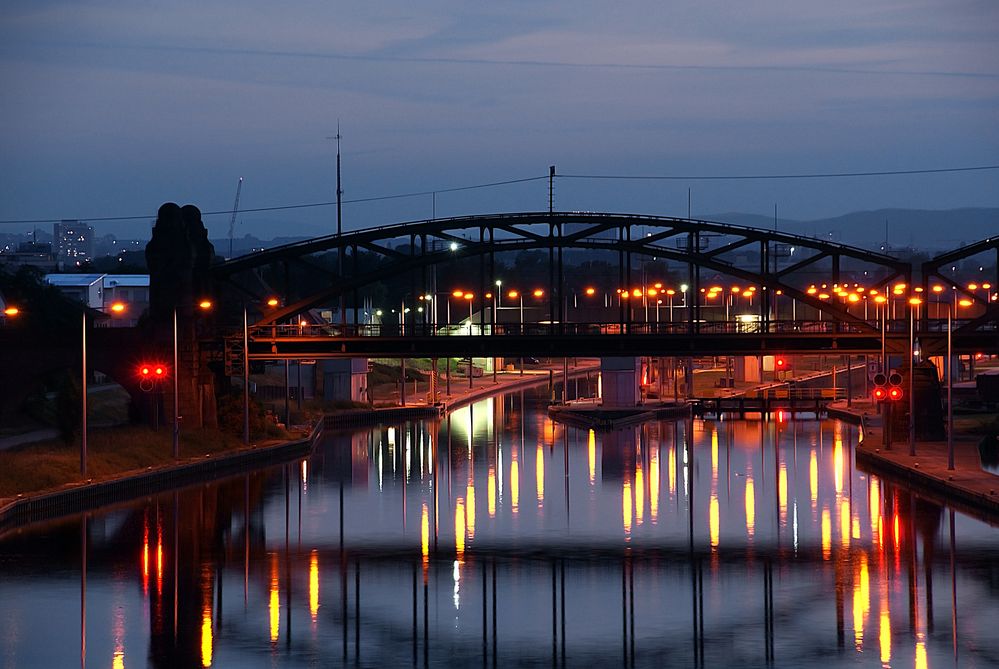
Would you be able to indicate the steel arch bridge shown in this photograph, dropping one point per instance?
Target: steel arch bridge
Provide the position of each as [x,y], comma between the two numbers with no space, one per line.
[777,262]
[698,244]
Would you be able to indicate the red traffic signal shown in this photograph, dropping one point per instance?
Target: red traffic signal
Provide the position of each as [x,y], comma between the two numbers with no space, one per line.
[152,371]
[880,394]
[780,363]
[895,387]
[894,393]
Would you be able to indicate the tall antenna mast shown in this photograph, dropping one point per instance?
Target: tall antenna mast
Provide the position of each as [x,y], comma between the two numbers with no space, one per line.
[232,221]
[339,191]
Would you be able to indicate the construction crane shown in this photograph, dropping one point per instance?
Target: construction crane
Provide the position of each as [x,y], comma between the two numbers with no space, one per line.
[235,209]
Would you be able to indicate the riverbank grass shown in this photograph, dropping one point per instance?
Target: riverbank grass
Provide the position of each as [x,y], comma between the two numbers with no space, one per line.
[111,452]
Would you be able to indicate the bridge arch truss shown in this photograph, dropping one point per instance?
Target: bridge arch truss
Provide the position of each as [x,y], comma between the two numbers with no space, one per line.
[775,261]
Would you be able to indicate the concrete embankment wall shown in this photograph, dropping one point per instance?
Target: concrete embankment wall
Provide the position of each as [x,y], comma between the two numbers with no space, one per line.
[89,496]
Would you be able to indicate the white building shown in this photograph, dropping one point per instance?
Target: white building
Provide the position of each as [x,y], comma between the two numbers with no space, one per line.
[103,291]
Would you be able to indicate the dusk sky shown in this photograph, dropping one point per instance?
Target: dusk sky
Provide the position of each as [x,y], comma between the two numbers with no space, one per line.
[112,108]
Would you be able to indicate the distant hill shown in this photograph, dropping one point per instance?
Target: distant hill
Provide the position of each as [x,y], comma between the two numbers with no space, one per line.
[920,228]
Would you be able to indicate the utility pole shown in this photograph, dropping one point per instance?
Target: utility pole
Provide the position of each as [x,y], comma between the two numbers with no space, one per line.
[551,188]
[339,225]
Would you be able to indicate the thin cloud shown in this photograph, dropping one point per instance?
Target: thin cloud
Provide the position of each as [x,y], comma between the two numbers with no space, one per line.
[532,63]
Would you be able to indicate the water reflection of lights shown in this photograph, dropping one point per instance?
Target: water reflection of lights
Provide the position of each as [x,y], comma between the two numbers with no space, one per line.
[639,494]
[813,479]
[685,472]
[539,470]
[874,506]
[826,534]
[425,536]
[671,470]
[145,554]
[591,451]
[305,476]
[514,485]
[207,640]
[314,578]
[274,604]
[159,557]
[884,637]
[491,492]
[714,456]
[713,524]
[844,522]
[794,525]
[626,509]
[782,492]
[459,528]
[118,659]
[861,602]
[654,485]
[750,505]
[470,509]
[838,465]
[921,655]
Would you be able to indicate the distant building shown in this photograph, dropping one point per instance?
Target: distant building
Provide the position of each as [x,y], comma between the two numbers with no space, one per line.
[73,241]
[36,254]
[101,291]
[131,290]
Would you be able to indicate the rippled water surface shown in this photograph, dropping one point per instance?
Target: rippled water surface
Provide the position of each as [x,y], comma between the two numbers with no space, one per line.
[498,538]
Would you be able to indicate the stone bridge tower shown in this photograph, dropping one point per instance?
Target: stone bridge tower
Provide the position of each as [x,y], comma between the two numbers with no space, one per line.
[179,256]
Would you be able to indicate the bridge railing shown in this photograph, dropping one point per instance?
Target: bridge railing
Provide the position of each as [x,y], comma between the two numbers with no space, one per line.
[314,331]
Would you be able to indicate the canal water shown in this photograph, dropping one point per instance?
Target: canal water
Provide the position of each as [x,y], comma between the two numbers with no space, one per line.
[500,538]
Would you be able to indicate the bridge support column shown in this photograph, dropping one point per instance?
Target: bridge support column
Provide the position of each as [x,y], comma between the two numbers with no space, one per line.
[620,382]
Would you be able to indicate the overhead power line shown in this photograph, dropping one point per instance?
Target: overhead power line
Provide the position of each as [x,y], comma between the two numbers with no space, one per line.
[747,177]
[639,177]
[283,207]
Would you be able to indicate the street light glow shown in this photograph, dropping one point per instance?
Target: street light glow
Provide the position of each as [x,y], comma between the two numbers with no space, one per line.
[538,292]
[591,291]
[205,304]
[513,294]
[118,307]
[11,311]
[458,293]
[273,302]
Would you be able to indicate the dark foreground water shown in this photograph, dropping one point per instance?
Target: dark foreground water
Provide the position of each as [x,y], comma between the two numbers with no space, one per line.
[501,539]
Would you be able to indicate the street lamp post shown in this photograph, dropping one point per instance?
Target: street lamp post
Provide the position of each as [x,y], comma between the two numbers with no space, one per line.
[950,393]
[83,385]
[176,391]
[246,380]
[914,301]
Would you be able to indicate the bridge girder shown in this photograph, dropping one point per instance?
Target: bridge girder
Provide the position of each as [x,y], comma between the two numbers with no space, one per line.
[932,268]
[522,234]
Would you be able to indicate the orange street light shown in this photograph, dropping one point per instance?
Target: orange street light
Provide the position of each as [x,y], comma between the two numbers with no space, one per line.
[938,288]
[205,305]
[458,293]
[591,291]
[538,292]
[273,302]
[636,292]
[469,296]
[11,311]
[118,307]
[513,294]
[965,302]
